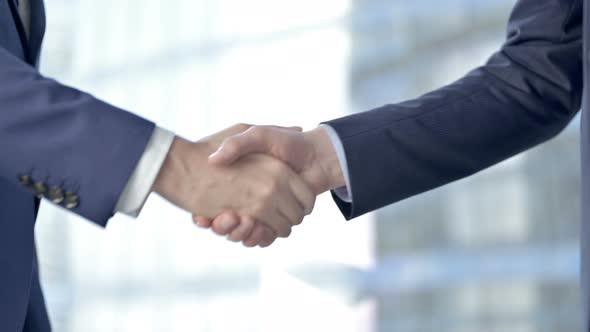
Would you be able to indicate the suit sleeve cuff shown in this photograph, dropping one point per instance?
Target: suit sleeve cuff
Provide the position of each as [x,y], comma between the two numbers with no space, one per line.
[344,193]
[139,186]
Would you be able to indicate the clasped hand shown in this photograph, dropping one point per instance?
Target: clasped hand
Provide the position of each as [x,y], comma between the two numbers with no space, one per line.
[250,183]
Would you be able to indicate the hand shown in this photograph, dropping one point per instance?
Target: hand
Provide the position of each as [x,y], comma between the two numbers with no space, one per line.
[310,153]
[256,187]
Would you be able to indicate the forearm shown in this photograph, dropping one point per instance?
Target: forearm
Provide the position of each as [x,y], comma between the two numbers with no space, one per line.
[526,94]
[326,172]
[66,139]
[173,180]
[405,156]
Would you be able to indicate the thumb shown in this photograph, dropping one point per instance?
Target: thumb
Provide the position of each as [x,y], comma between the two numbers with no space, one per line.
[249,142]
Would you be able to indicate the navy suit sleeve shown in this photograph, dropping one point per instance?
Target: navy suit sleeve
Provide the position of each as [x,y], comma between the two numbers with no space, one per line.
[66,138]
[524,95]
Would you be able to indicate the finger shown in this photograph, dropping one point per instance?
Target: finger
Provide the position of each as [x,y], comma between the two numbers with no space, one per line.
[276,221]
[284,229]
[290,208]
[255,237]
[225,223]
[281,209]
[253,140]
[202,221]
[303,193]
[244,229]
[268,238]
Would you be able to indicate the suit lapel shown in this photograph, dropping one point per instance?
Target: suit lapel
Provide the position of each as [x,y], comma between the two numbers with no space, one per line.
[32,44]
[37,29]
[19,26]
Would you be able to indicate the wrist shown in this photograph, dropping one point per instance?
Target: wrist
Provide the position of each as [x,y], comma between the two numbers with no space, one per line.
[325,169]
[182,160]
[169,173]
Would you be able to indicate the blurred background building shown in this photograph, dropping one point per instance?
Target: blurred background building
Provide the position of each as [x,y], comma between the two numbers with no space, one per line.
[496,252]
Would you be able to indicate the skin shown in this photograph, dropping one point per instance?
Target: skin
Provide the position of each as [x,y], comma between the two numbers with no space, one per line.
[311,154]
[256,187]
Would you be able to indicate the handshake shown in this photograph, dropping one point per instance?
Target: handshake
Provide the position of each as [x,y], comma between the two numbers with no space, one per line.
[250,183]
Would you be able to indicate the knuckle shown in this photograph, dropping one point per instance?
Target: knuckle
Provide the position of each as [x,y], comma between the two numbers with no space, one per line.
[275,185]
[268,190]
[247,224]
[230,145]
[276,169]
[242,126]
[299,220]
[257,132]
[286,232]
[258,210]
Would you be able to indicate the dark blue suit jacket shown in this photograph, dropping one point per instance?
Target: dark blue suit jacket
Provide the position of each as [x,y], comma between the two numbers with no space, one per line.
[524,95]
[77,151]
[57,143]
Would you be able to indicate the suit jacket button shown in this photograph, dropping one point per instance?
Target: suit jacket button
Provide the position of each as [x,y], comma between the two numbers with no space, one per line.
[40,188]
[71,200]
[25,179]
[71,205]
[55,194]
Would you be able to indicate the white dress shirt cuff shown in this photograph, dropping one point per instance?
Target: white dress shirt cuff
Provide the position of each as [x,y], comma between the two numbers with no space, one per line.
[140,183]
[343,193]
